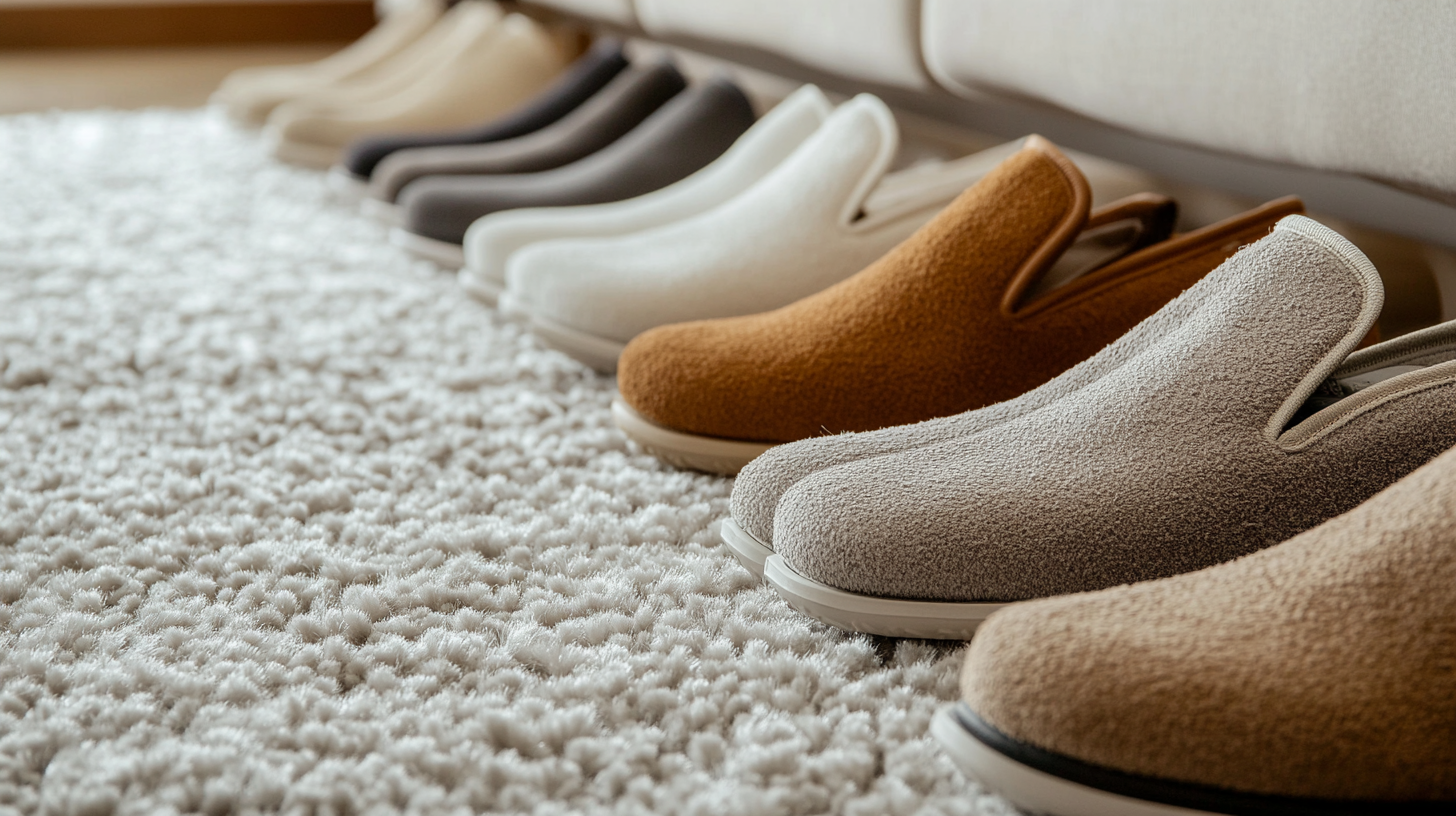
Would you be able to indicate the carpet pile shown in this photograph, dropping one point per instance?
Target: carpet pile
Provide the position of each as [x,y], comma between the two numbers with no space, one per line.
[288,523]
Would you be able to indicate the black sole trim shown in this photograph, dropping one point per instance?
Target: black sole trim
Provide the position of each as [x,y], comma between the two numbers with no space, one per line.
[1182,794]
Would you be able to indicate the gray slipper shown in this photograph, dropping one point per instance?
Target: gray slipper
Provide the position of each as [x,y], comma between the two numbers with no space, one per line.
[622,105]
[680,138]
[1247,420]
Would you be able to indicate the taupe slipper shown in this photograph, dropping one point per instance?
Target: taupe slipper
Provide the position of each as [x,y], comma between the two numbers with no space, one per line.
[1315,677]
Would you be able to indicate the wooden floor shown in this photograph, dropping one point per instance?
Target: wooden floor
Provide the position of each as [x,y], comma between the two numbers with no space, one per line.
[129,78]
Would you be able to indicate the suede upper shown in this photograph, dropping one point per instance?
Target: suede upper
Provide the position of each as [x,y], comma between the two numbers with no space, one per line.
[687,133]
[622,105]
[1177,460]
[579,83]
[1324,667]
[938,326]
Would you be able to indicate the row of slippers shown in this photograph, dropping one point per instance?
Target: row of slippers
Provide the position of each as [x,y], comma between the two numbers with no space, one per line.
[422,68]
[1222,421]
[1121,454]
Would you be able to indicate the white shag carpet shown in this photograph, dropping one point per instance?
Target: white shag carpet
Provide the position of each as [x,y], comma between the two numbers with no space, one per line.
[290,524]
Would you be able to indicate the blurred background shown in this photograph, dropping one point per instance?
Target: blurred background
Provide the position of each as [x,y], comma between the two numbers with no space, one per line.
[77,54]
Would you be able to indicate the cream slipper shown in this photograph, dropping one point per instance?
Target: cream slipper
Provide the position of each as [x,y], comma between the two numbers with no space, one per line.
[250,94]
[488,67]
[451,32]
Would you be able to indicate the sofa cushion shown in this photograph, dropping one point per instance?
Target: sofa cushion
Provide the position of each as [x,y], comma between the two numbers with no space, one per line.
[613,11]
[1362,86]
[872,40]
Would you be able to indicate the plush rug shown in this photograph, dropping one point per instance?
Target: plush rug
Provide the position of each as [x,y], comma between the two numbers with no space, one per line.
[289,523]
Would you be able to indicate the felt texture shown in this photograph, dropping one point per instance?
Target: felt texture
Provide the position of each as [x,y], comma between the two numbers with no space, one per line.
[790,235]
[493,239]
[250,94]
[1173,462]
[1322,667]
[586,76]
[684,135]
[496,67]
[763,482]
[622,105]
[933,328]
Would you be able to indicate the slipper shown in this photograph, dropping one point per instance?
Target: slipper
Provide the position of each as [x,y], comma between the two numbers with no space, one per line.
[578,83]
[692,129]
[492,240]
[487,66]
[1252,418]
[818,218]
[1314,677]
[1011,285]
[632,96]
[249,95]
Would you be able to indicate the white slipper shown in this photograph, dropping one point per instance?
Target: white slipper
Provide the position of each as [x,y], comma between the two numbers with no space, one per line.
[492,240]
[891,617]
[250,94]
[489,66]
[445,254]
[822,215]
[721,456]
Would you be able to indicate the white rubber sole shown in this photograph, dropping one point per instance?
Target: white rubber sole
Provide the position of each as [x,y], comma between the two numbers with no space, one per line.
[321,157]
[1033,790]
[891,617]
[745,546]
[597,352]
[724,457]
[346,184]
[511,306]
[448,255]
[486,291]
[385,212]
